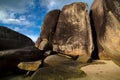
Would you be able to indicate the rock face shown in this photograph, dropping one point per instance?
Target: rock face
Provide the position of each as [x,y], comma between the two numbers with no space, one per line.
[10,39]
[97,18]
[106,18]
[73,35]
[47,30]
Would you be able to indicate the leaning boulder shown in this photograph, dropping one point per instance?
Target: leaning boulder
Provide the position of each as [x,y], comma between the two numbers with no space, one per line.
[48,30]
[73,35]
[10,39]
[106,18]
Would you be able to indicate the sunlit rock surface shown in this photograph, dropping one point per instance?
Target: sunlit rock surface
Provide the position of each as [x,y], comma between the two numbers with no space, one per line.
[73,35]
[29,65]
[106,18]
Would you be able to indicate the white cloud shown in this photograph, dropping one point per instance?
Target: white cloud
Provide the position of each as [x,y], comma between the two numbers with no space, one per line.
[13,12]
[16,29]
[12,15]
[2,15]
[58,4]
[51,4]
[17,6]
[22,18]
[20,29]
[10,18]
[18,13]
[12,21]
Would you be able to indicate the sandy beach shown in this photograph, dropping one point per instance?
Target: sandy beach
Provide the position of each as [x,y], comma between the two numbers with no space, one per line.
[106,70]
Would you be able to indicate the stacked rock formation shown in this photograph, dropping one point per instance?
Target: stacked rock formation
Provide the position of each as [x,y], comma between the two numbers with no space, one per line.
[69,31]
[70,34]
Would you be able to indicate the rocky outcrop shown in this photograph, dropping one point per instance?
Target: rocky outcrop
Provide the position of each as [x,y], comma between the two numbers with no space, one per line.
[59,68]
[48,30]
[10,39]
[106,18]
[59,60]
[9,59]
[53,73]
[70,34]
[73,35]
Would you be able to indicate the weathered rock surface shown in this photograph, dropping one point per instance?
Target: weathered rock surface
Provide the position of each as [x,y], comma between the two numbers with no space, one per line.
[9,59]
[73,32]
[48,30]
[53,73]
[106,18]
[29,65]
[59,68]
[59,60]
[10,39]
[97,19]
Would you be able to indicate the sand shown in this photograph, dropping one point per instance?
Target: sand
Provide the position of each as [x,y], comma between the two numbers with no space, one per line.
[105,70]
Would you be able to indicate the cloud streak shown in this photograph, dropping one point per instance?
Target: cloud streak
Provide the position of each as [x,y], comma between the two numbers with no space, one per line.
[21,16]
[58,4]
[10,18]
[12,12]
[17,6]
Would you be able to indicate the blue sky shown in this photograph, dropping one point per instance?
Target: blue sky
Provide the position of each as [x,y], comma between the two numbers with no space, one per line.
[26,16]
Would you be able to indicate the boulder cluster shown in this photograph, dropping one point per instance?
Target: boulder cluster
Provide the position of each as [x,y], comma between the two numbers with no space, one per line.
[82,36]
[67,32]
[70,32]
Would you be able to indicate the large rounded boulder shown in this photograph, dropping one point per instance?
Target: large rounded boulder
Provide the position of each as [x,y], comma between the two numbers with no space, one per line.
[106,18]
[73,34]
